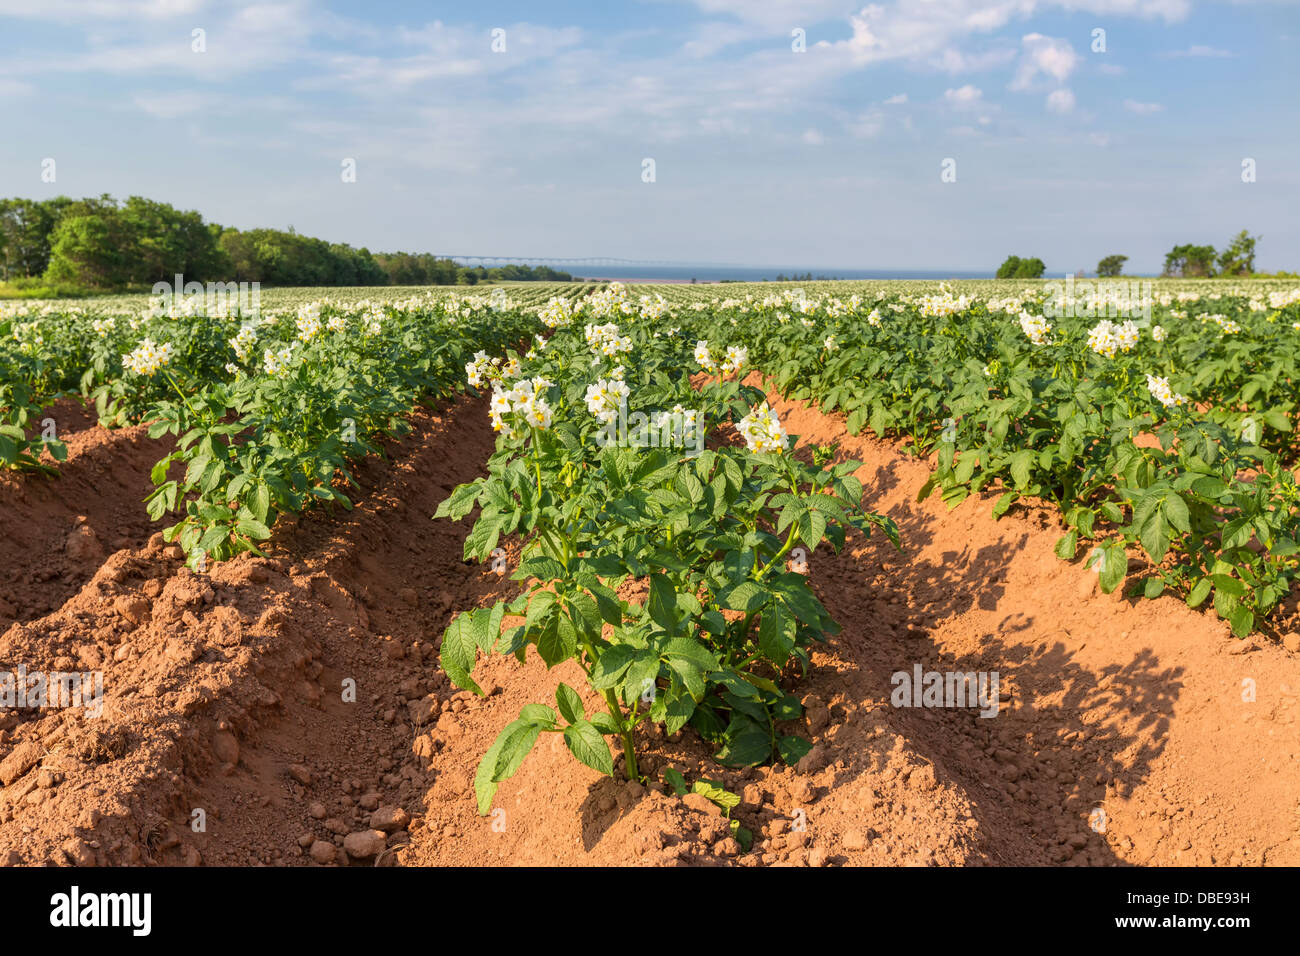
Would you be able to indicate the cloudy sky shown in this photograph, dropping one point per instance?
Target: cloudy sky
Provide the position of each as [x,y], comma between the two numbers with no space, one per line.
[782,133]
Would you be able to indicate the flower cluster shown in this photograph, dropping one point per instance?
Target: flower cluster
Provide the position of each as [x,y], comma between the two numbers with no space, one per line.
[277,363]
[1106,338]
[481,368]
[243,342]
[1225,324]
[103,326]
[556,314]
[1158,333]
[525,401]
[605,340]
[1159,388]
[1036,328]
[308,322]
[942,306]
[762,430]
[733,361]
[336,323]
[606,397]
[147,358]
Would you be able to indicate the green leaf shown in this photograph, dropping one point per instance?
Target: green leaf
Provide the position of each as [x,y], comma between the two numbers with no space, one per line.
[674,779]
[793,749]
[570,704]
[586,743]
[746,744]
[460,651]
[1199,592]
[611,664]
[663,603]
[716,793]
[503,759]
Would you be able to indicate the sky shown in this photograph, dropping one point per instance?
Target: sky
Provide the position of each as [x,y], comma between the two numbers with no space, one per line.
[813,133]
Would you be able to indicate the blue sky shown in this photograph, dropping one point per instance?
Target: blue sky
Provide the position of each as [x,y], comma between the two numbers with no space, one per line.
[827,158]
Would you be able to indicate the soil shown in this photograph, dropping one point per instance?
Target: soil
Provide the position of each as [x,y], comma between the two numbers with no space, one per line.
[289,709]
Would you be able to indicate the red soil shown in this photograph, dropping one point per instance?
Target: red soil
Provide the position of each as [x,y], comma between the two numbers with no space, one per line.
[224,693]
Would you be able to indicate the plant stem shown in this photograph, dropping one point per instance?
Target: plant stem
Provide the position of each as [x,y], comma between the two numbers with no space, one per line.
[629,754]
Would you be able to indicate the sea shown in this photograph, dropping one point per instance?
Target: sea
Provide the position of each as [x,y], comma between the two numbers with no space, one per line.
[758,273]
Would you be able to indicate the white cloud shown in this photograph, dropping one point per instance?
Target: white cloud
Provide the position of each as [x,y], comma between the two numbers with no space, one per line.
[169,105]
[1047,55]
[1060,101]
[896,100]
[868,125]
[99,9]
[813,137]
[1200,51]
[1142,109]
[964,98]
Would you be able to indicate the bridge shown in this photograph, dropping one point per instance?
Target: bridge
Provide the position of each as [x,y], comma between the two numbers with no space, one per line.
[566,263]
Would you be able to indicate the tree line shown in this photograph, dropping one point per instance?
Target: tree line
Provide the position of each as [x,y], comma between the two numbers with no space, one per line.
[1185,261]
[106,244]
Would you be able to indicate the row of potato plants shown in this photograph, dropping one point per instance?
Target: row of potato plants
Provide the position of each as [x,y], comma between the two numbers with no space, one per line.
[269,410]
[1083,412]
[656,514]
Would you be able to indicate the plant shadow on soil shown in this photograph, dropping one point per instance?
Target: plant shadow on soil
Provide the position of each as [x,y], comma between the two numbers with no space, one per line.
[1063,764]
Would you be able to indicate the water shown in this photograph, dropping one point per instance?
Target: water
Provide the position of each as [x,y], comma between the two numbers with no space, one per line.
[758,273]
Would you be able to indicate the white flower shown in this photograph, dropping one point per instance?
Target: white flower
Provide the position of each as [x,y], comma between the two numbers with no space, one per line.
[1159,388]
[308,322]
[1103,338]
[147,358]
[476,370]
[1158,333]
[762,430]
[605,398]
[103,326]
[243,342]
[1036,327]
[277,363]
[557,313]
[830,344]
[1225,324]
[737,356]
[703,358]
[605,340]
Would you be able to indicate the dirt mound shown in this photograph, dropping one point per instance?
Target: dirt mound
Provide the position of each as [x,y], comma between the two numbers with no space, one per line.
[289,710]
[57,530]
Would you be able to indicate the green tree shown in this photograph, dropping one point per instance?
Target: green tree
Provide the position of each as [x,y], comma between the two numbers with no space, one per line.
[1008,268]
[1189,261]
[1030,268]
[1111,265]
[1239,258]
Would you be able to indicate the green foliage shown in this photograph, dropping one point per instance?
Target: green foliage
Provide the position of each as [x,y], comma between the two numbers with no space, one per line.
[1111,266]
[1239,258]
[1189,261]
[722,624]
[1016,268]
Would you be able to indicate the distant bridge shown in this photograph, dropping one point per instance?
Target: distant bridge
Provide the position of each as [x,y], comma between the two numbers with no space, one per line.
[489,261]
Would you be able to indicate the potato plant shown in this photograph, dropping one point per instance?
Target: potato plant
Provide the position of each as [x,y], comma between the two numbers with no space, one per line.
[705,535]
